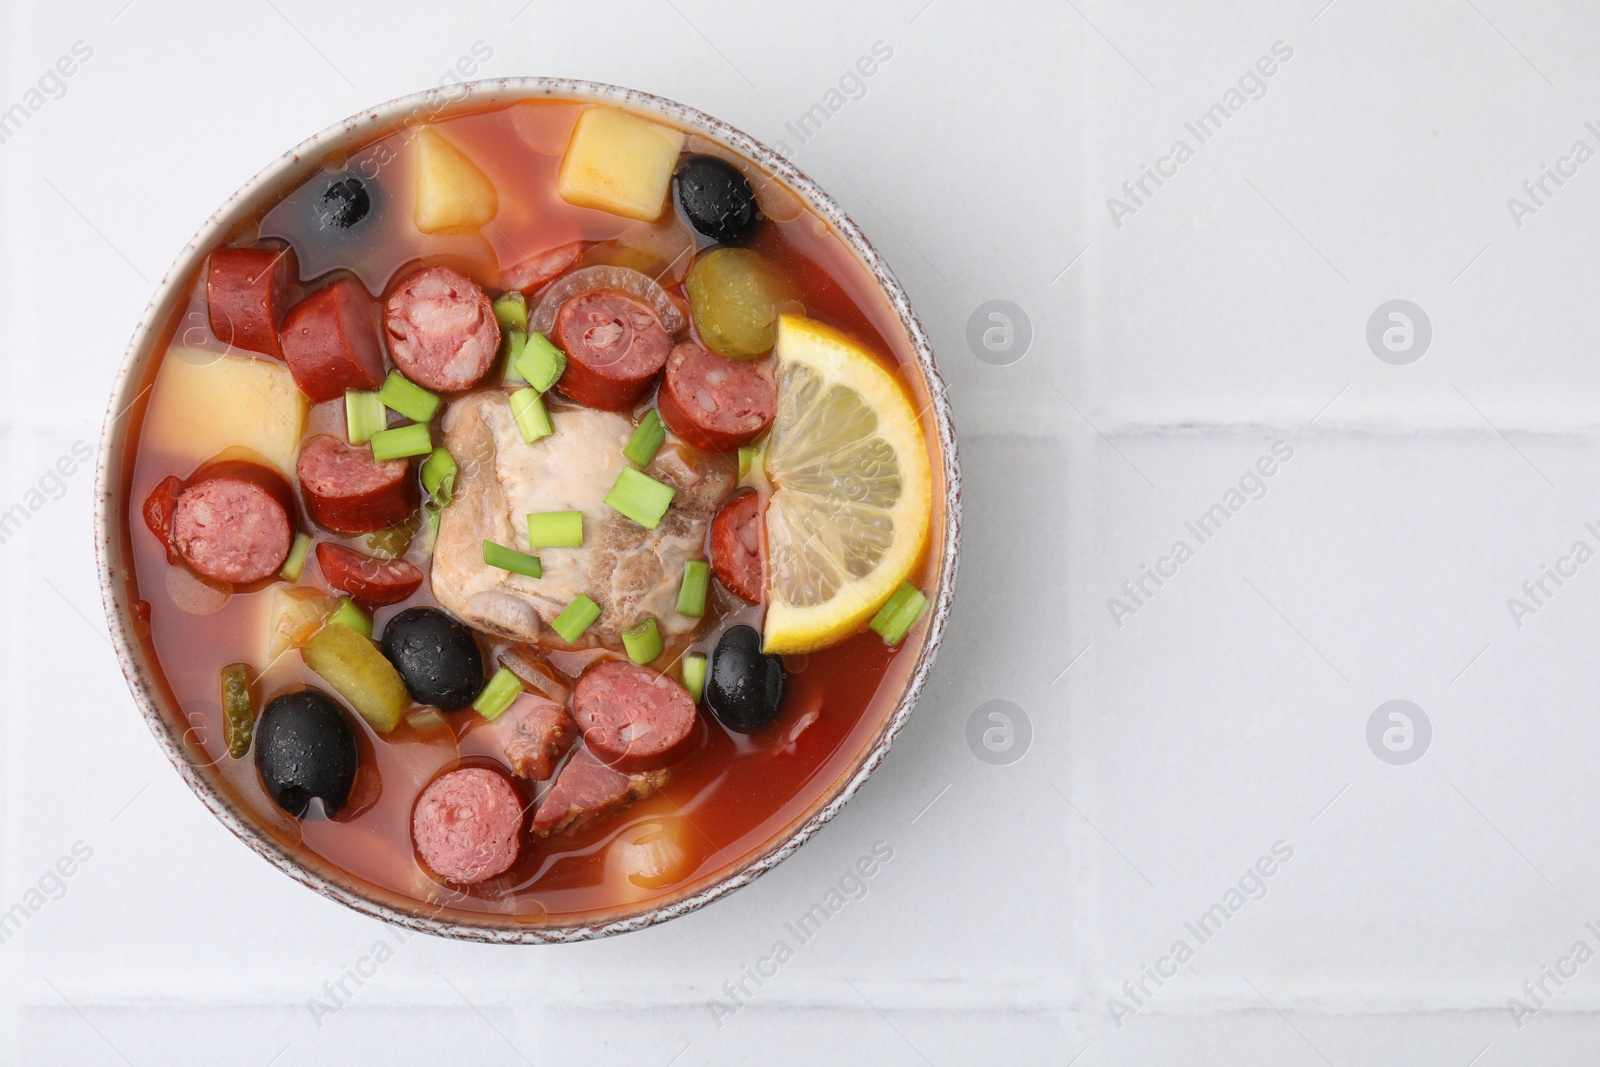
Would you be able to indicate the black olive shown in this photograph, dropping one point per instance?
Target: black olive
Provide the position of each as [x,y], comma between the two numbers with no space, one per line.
[304,749]
[436,656]
[745,687]
[344,204]
[716,199]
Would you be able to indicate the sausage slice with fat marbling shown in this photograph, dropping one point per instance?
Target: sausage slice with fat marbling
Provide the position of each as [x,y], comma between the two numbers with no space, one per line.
[633,718]
[466,825]
[349,492]
[713,403]
[615,346]
[737,534]
[441,330]
[234,522]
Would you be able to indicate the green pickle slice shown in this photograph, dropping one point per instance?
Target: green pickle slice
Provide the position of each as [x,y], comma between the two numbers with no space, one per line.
[238,714]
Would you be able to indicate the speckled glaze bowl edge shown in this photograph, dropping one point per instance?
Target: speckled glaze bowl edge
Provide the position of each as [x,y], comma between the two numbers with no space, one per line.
[293,166]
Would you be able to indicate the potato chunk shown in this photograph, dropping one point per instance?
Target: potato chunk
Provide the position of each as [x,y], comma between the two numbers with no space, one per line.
[452,193]
[205,402]
[620,163]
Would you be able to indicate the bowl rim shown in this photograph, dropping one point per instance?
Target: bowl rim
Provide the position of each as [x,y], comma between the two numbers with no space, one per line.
[306,156]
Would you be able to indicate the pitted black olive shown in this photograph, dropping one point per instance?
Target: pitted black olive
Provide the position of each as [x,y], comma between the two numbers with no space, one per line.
[745,686]
[437,657]
[345,203]
[305,749]
[716,199]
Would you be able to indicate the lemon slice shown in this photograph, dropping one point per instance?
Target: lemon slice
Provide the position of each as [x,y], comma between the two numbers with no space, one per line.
[851,491]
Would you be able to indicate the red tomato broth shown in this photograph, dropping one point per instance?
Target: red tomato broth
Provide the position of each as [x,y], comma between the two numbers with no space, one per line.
[739,794]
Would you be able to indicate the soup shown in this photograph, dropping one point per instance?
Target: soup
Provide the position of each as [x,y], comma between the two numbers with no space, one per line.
[530,514]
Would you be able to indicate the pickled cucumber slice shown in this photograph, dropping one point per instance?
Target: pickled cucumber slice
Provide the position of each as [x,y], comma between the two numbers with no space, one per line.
[357,671]
[734,297]
[238,715]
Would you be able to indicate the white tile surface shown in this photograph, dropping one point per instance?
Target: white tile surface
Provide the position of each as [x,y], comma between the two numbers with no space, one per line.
[1228,713]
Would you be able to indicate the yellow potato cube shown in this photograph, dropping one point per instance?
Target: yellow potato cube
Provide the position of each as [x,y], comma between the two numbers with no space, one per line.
[620,163]
[206,402]
[452,193]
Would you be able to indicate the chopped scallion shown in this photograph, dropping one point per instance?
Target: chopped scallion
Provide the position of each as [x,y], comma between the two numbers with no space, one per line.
[296,561]
[347,614]
[402,442]
[555,529]
[640,497]
[541,362]
[694,674]
[579,616]
[439,477]
[427,719]
[643,641]
[401,394]
[532,419]
[647,438]
[752,459]
[692,594]
[509,559]
[363,416]
[512,311]
[501,692]
[511,348]
[903,608]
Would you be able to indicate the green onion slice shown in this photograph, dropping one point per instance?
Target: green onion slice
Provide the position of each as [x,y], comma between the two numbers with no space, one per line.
[647,438]
[408,398]
[694,675]
[512,311]
[692,594]
[511,349]
[903,608]
[296,560]
[579,616]
[402,442]
[363,416]
[238,715]
[555,529]
[643,641]
[439,477]
[640,497]
[427,719]
[501,692]
[509,559]
[532,419]
[752,460]
[347,614]
[541,363]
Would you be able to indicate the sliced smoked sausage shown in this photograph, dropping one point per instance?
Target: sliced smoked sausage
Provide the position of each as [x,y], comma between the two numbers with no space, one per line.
[441,330]
[466,825]
[234,522]
[367,578]
[535,272]
[247,291]
[348,491]
[158,509]
[330,342]
[632,718]
[615,346]
[737,534]
[587,789]
[714,403]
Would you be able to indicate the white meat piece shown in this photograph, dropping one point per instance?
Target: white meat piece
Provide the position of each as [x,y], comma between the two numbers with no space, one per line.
[629,571]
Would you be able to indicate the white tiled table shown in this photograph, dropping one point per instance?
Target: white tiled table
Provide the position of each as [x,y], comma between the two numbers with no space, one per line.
[1227,714]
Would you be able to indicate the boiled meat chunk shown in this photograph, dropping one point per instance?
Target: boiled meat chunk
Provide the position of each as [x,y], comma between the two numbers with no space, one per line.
[629,571]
